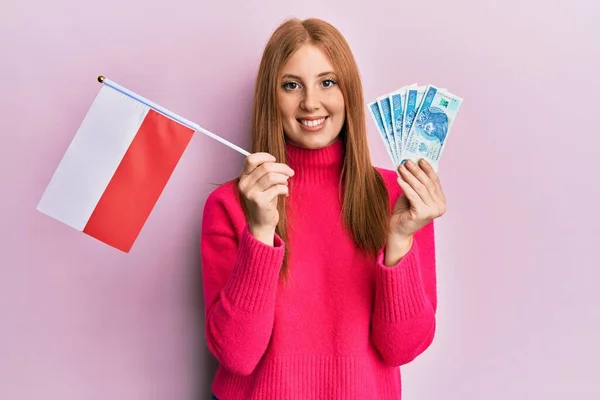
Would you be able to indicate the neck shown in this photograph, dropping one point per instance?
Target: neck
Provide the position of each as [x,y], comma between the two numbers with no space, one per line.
[316,165]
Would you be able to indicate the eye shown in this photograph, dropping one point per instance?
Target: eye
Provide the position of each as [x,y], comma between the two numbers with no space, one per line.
[328,83]
[290,85]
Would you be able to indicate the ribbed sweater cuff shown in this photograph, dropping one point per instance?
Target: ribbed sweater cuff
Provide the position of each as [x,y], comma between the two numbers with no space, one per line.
[253,281]
[400,294]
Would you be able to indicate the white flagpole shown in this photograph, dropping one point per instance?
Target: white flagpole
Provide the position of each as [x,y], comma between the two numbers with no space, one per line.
[169,113]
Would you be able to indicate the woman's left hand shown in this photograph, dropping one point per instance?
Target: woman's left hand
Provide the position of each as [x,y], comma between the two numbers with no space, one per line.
[423,199]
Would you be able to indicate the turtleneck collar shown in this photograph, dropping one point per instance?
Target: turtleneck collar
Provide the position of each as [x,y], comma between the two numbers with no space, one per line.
[316,165]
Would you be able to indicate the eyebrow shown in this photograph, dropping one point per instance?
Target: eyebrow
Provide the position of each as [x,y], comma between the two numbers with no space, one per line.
[291,76]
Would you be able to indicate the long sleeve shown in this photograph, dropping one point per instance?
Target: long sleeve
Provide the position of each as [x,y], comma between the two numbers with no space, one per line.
[403,322]
[240,276]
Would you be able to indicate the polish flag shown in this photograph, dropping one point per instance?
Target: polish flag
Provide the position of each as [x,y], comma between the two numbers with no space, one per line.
[115,169]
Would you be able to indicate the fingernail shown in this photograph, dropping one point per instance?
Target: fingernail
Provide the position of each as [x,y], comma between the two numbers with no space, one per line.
[410,163]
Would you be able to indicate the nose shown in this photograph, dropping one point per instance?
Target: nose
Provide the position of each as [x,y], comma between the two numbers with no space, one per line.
[311,101]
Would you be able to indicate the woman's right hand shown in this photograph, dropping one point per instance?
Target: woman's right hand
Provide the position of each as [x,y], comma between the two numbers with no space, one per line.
[262,181]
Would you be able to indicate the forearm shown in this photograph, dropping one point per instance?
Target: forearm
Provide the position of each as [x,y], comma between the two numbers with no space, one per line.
[236,338]
[405,297]
[239,319]
[403,321]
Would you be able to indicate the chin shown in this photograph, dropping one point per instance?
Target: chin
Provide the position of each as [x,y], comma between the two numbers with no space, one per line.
[314,142]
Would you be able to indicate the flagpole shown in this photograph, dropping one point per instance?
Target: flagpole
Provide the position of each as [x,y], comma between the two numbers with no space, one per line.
[169,113]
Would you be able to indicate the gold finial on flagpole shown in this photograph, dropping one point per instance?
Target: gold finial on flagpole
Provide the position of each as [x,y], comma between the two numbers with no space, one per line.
[101,79]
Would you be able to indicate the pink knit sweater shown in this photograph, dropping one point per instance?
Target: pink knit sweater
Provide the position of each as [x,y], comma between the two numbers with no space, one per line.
[341,326]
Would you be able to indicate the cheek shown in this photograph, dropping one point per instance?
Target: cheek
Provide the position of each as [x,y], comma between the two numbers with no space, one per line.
[287,106]
[337,103]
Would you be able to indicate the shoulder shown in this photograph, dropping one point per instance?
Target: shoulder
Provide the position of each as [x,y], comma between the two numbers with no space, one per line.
[222,194]
[390,180]
[223,208]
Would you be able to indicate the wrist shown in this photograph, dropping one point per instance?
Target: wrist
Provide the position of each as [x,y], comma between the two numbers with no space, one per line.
[263,234]
[397,246]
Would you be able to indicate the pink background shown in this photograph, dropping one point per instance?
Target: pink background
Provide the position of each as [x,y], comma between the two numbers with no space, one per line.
[519,314]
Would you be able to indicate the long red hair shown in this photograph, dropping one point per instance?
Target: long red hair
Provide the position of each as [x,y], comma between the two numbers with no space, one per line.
[365,208]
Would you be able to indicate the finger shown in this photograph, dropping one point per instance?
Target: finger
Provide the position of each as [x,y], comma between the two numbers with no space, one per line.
[410,193]
[250,180]
[439,208]
[416,185]
[254,160]
[424,178]
[271,178]
[270,167]
[274,191]
[433,176]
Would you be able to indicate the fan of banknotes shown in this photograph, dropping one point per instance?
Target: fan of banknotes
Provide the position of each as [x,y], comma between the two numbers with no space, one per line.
[414,122]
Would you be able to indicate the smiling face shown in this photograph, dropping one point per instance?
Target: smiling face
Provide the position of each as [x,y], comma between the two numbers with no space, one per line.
[310,101]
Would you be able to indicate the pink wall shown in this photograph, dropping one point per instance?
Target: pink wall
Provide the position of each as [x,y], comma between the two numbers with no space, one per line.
[519,314]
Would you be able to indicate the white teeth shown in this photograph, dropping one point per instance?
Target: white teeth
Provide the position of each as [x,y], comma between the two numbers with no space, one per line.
[313,123]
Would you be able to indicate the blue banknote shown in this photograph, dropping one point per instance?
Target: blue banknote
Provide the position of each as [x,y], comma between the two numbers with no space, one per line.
[397,118]
[385,110]
[414,97]
[413,100]
[377,118]
[397,100]
[431,125]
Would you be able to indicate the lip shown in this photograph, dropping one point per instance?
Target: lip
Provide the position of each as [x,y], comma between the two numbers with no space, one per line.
[312,118]
[312,128]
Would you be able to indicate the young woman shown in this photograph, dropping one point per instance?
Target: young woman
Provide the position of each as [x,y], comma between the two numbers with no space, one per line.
[318,268]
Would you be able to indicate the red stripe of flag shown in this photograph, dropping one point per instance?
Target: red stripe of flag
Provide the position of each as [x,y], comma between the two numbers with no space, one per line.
[139,180]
